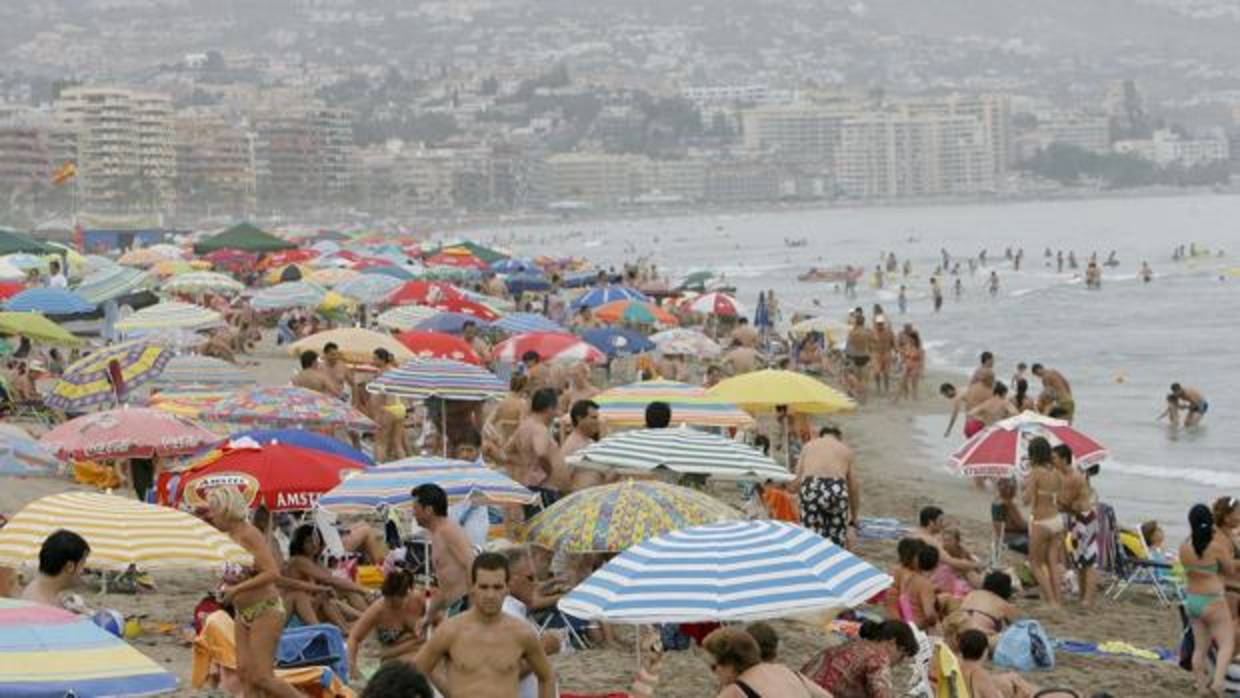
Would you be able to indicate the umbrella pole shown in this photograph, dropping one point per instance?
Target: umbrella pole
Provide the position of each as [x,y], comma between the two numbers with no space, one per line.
[443,432]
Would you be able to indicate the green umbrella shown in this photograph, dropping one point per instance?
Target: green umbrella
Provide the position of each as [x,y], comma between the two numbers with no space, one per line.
[696,281]
[244,237]
[37,328]
[12,241]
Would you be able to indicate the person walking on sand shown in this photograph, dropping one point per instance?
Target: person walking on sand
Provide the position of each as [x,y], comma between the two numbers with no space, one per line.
[451,552]
[827,486]
[533,454]
[486,649]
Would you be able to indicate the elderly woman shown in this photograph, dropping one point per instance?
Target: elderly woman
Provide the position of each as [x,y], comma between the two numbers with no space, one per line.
[737,663]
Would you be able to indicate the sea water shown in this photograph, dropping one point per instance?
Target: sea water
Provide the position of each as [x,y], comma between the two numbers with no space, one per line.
[1120,347]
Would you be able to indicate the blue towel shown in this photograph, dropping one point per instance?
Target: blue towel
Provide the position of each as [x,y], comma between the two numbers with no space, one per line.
[314,645]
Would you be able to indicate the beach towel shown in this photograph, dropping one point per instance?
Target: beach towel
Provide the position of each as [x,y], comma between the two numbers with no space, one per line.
[949,681]
[313,645]
[780,506]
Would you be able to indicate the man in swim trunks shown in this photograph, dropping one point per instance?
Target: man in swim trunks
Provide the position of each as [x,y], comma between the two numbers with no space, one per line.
[1190,399]
[828,488]
[995,408]
[451,553]
[973,396]
[884,353]
[1054,382]
[1076,499]
[985,366]
[857,348]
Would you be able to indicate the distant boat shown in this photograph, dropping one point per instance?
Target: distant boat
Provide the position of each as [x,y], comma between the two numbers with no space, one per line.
[801,242]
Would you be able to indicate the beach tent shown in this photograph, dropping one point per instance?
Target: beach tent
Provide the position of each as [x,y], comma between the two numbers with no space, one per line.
[244,237]
[12,242]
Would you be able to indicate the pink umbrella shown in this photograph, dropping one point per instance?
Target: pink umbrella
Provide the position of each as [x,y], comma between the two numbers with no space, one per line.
[716,304]
[127,432]
[550,346]
[1001,449]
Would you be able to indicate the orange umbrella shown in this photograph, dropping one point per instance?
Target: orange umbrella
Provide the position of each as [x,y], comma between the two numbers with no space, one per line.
[635,312]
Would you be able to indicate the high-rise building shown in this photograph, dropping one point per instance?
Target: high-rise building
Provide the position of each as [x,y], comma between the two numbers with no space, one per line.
[25,154]
[215,163]
[304,155]
[801,133]
[992,112]
[597,179]
[1085,131]
[898,154]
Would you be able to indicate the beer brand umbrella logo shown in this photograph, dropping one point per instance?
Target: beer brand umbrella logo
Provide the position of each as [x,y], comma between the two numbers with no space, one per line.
[197,491]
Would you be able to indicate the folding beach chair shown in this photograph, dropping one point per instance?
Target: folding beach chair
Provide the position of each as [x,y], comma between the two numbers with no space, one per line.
[1137,566]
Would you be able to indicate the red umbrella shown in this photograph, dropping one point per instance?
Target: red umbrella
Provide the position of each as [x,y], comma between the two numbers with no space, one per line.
[233,260]
[286,257]
[424,293]
[437,345]
[127,432]
[460,261]
[363,263]
[279,476]
[1001,449]
[550,346]
[466,307]
[10,288]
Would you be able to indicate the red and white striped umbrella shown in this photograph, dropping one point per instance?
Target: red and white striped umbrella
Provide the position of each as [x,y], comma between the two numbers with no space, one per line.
[465,306]
[1001,450]
[550,346]
[716,304]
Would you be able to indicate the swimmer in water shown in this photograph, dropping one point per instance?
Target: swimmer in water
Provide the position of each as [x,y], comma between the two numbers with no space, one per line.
[1189,399]
[1147,274]
[994,283]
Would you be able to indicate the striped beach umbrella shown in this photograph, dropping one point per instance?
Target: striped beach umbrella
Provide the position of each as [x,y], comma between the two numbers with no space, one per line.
[1002,449]
[291,294]
[369,288]
[204,282]
[36,328]
[614,341]
[442,378]
[89,381]
[169,315]
[716,303]
[405,317]
[727,572]
[634,313]
[49,301]
[611,518]
[448,322]
[626,405]
[22,456]
[121,532]
[113,283]
[332,277]
[48,651]
[193,373]
[681,450]
[685,342]
[607,294]
[287,406]
[522,323]
[390,484]
[126,432]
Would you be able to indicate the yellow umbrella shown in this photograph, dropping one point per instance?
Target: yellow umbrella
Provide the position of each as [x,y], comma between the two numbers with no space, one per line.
[276,274]
[37,328]
[171,267]
[827,328]
[334,301]
[764,390]
[121,532]
[357,344]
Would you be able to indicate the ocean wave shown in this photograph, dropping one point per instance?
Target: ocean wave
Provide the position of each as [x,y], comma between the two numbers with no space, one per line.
[1197,476]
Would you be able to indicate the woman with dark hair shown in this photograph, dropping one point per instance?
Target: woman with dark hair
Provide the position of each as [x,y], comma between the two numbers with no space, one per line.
[346,602]
[393,619]
[737,663]
[918,597]
[1046,527]
[988,609]
[1021,400]
[862,669]
[906,551]
[1208,557]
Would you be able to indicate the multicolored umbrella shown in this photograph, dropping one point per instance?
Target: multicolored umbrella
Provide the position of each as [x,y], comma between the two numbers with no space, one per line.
[612,518]
[89,381]
[22,456]
[369,288]
[726,572]
[437,345]
[126,432]
[36,328]
[8,288]
[174,267]
[522,323]
[405,317]
[193,373]
[305,439]
[614,341]
[634,313]
[331,278]
[427,293]
[148,256]
[292,294]
[121,532]
[385,268]
[49,301]
[684,342]
[449,323]
[549,347]
[679,450]
[278,476]
[626,405]
[169,315]
[288,406]
[607,294]
[516,266]
[48,651]
[113,283]
[764,390]
[357,345]
[716,303]
[391,484]
[204,282]
[1001,450]
[450,380]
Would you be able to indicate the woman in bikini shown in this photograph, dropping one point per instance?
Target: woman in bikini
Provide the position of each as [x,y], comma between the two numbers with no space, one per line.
[343,600]
[1046,527]
[394,621]
[260,613]
[737,663]
[1208,559]
[989,609]
[906,551]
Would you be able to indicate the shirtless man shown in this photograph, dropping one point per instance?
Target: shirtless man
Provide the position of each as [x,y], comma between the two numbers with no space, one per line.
[828,487]
[744,334]
[61,561]
[742,358]
[996,408]
[537,373]
[311,377]
[1076,499]
[884,354]
[579,387]
[985,365]
[974,395]
[451,553]
[584,415]
[1055,384]
[857,348]
[1187,398]
[336,370]
[486,649]
[533,456]
[932,522]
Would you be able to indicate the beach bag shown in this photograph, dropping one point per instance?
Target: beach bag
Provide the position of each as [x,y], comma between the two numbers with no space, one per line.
[1024,646]
[672,638]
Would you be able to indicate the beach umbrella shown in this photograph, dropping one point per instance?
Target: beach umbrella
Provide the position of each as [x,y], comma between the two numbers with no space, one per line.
[108,374]
[549,346]
[121,532]
[8,289]
[498,305]
[527,283]
[47,651]
[389,270]
[680,450]
[421,378]
[614,341]
[716,303]
[331,278]
[243,237]
[25,262]
[305,439]
[22,456]
[634,313]
[113,283]
[516,266]
[456,257]
[685,342]
[288,406]
[170,315]
[12,241]
[234,261]
[369,288]
[391,484]
[449,323]
[821,325]
[427,293]
[405,317]
[292,294]
[490,255]
[726,572]
[612,518]
[437,345]
[607,294]
[691,404]
[763,391]
[126,432]
[522,323]
[357,345]
[204,282]
[193,373]
[465,306]
[1001,450]
[36,328]
[276,475]
[49,301]
[288,272]
[146,257]
[288,257]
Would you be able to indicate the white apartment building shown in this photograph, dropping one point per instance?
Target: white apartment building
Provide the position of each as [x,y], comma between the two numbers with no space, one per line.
[894,154]
[598,179]
[1084,131]
[802,133]
[1166,147]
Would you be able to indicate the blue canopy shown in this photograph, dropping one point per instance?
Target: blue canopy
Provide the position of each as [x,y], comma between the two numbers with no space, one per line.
[615,341]
[606,294]
[305,439]
[49,301]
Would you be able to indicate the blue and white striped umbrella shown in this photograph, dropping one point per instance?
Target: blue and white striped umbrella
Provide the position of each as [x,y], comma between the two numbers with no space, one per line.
[390,484]
[113,283]
[442,378]
[516,266]
[49,301]
[291,294]
[21,455]
[617,341]
[598,296]
[728,572]
[405,317]
[450,323]
[169,315]
[369,288]
[681,450]
[523,323]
